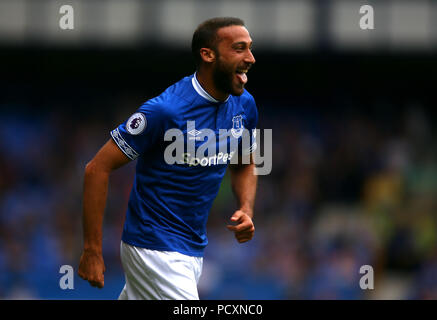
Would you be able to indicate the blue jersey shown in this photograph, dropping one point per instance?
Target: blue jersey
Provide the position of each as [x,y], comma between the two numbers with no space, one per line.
[169,203]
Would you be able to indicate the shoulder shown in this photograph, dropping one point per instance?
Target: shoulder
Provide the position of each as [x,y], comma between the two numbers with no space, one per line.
[248,102]
[247,96]
[168,103]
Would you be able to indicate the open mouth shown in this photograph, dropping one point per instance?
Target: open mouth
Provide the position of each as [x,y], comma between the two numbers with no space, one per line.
[241,75]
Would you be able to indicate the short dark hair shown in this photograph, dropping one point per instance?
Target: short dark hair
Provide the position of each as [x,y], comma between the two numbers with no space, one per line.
[205,35]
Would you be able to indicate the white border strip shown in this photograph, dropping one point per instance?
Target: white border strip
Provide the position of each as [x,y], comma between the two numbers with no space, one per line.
[123,145]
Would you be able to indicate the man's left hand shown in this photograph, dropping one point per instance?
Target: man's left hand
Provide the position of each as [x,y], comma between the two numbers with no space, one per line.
[244,228]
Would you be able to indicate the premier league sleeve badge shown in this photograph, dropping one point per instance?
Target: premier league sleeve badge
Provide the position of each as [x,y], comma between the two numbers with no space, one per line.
[136,123]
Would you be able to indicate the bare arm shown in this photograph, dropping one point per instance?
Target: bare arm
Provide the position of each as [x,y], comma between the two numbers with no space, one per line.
[95,189]
[244,183]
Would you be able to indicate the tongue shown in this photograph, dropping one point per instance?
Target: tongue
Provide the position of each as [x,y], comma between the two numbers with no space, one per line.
[242,77]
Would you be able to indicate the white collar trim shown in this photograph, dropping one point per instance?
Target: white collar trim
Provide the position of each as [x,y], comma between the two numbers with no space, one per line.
[202,92]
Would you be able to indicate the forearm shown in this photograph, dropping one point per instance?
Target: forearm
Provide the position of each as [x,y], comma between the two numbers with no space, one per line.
[94,203]
[244,183]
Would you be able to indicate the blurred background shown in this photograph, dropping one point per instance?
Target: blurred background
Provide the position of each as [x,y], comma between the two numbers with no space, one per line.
[354,178]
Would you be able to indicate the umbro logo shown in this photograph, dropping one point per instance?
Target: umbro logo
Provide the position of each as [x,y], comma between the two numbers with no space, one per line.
[195,135]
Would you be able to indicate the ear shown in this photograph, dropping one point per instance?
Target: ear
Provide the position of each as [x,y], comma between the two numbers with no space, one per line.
[207,55]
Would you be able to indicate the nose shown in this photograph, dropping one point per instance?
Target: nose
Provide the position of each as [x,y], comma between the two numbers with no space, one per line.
[250,58]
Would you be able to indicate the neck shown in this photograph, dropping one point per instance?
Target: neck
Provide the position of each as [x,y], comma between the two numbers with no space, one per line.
[206,81]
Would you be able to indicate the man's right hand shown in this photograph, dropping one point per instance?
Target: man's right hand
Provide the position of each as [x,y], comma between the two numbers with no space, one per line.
[92,268]
[95,190]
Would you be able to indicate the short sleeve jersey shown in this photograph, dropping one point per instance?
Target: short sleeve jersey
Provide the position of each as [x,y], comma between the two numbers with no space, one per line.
[169,203]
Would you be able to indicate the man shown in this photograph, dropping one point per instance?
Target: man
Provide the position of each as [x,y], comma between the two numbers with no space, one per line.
[164,233]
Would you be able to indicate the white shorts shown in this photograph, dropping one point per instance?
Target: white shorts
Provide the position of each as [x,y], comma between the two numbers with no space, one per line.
[159,275]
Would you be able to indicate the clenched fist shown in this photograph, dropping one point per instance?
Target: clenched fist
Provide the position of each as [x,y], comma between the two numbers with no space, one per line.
[244,228]
[92,268]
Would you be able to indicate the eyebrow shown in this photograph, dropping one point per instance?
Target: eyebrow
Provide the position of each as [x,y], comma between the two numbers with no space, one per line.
[236,44]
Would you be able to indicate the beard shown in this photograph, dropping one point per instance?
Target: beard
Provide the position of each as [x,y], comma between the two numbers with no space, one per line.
[223,77]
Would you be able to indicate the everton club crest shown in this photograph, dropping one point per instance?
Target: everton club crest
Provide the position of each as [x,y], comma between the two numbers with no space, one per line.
[237,126]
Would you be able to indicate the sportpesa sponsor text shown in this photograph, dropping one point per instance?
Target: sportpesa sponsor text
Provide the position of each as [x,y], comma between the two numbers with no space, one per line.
[207,161]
